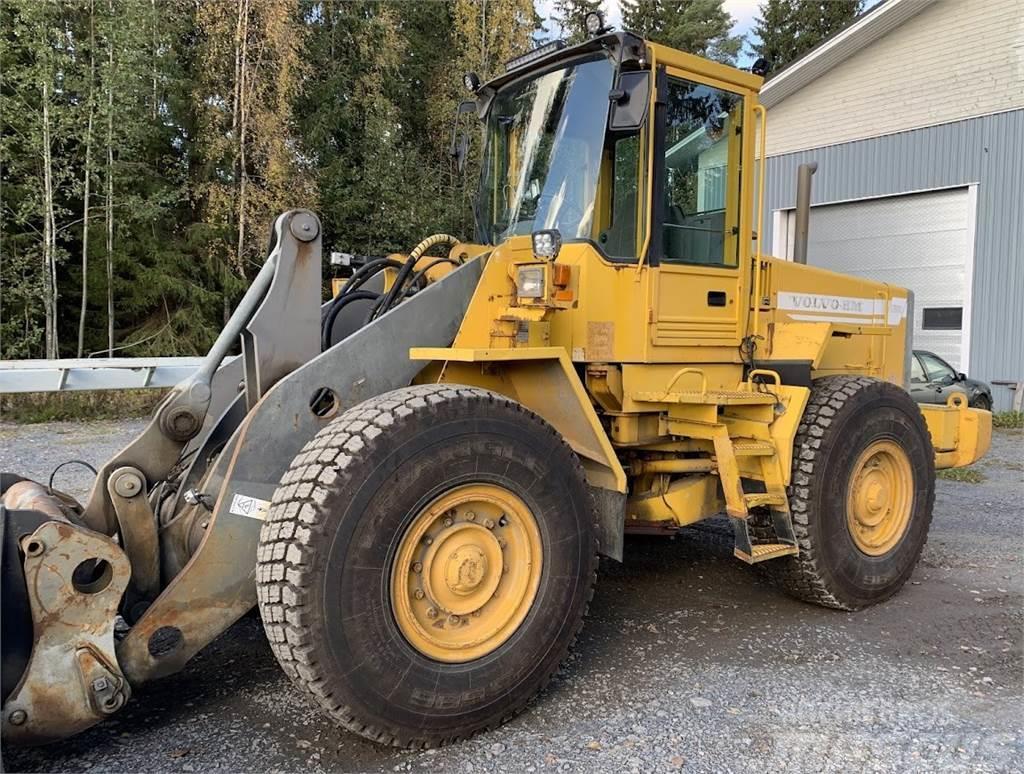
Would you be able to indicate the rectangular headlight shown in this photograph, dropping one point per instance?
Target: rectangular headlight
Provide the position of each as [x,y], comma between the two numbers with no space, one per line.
[530,282]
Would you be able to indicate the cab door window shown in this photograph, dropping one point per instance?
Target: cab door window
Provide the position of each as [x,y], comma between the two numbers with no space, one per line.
[702,174]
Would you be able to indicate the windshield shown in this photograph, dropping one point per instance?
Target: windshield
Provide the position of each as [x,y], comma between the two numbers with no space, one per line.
[542,153]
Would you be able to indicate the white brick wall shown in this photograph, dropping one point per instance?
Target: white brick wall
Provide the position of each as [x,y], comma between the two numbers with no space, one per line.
[955,59]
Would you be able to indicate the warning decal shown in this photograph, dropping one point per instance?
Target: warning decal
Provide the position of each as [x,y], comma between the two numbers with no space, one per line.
[253,507]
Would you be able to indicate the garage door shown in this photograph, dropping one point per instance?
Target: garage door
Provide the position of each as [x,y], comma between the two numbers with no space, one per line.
[918,241]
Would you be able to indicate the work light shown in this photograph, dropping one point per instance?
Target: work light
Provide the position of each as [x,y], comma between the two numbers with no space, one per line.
[547,243]
[530,282]
[472,81]
[594,23]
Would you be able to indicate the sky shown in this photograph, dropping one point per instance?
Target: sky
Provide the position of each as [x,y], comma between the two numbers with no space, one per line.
[742,12]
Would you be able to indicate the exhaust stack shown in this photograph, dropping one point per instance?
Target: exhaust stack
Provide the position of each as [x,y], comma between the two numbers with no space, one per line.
[803,209]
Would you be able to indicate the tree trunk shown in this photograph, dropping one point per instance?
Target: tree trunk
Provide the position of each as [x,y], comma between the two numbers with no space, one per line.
[242,127]
[110,190]
[49,237]
[88,180]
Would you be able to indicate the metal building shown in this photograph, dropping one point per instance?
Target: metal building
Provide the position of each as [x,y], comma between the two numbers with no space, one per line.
[915,116]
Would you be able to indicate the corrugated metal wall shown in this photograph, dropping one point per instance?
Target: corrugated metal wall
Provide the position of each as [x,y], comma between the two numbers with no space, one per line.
[987,151]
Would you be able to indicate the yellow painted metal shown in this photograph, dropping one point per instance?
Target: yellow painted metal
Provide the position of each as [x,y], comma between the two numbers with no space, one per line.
[466,573]
[880,497]
[633,357]
[697,68]
[679,503]
[960,435]
[762,115]
[542,379]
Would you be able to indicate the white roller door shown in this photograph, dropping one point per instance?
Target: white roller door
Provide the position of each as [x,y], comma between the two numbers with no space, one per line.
[920,241]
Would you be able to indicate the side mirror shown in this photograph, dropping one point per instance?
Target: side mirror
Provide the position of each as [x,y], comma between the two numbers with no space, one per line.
[961,377]
[459,150]
[629,100]
[947,380]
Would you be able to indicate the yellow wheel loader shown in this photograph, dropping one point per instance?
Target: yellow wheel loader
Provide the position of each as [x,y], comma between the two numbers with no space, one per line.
[413,481]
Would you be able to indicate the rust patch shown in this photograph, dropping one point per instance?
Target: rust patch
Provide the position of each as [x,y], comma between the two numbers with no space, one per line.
[600,340]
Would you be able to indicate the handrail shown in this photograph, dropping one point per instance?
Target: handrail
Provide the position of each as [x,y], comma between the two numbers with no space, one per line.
[651,128]
[762,141]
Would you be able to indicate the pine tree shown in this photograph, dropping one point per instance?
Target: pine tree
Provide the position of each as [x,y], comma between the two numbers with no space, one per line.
[700,27]
[788,29]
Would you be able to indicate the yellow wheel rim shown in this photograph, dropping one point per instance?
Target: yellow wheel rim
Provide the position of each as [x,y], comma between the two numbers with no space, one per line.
[466,573]
[880,498]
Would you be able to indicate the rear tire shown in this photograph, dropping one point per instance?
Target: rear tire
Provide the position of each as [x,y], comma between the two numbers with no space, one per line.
[343,551]
[982,402]
[864,439]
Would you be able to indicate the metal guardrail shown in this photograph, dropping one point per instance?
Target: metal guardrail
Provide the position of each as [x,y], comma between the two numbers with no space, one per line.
[116,373]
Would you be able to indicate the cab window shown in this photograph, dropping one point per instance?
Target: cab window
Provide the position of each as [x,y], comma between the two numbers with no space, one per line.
[624,159]
[702,174]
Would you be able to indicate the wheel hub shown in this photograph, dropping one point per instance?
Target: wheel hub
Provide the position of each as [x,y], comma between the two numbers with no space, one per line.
[466,572]
[880,498]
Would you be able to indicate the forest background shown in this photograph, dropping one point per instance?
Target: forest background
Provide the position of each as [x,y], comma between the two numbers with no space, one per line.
[147,145]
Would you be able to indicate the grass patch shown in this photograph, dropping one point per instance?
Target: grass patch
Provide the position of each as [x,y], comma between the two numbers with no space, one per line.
[964,475]
[35,407]
[1008,419]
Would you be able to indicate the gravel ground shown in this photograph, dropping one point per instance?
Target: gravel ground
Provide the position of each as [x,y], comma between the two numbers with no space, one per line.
[688,662]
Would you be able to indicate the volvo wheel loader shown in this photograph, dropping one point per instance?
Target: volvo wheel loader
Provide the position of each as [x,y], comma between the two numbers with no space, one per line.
[413,481]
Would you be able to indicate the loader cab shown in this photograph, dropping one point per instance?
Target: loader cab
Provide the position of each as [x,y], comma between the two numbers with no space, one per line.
[642,154]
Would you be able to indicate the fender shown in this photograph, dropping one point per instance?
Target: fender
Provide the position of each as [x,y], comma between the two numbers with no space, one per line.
[544,380]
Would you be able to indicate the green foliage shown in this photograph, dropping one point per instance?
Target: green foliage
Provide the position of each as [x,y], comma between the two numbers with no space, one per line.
[36,407]
[963,475]
[788,29]
[700,27]
[1013,420]
[209,118]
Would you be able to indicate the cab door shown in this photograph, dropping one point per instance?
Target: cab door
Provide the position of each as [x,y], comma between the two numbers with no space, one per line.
[697,202]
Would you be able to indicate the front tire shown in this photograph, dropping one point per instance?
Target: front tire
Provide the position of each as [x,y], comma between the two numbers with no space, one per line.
[861,494]
[427,563]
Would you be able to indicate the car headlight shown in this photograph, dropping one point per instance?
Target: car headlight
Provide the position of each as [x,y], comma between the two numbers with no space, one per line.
[530,282]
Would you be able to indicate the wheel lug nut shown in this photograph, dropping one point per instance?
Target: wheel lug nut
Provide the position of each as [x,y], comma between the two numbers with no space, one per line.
[428,540]
[453,620]
[431,613]
[418,593]
[489,523]
[476,613]
[417,566]
[503,521]
[502,542]
[447,521]
[470,516]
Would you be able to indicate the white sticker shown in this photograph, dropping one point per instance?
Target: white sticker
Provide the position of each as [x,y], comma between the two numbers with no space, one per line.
[897,310]
[253,507]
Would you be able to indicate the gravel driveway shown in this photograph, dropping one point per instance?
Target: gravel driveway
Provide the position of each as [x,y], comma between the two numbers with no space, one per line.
[688,661]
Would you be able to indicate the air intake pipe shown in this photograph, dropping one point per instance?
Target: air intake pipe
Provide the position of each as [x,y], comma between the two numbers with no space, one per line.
[803,209]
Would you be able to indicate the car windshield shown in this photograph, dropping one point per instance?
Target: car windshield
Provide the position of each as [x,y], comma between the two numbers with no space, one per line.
[542,153]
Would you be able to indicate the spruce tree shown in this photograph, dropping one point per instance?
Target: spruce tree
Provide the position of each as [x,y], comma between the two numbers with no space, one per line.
[701,27]
[788,29]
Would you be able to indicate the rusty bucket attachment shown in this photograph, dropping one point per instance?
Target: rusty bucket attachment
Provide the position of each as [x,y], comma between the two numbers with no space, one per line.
[161,558]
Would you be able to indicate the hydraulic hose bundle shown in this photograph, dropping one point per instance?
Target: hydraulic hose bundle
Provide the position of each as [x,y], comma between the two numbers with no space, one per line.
[408,281]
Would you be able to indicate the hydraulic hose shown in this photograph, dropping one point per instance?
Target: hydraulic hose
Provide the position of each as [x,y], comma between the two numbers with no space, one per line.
[340,303]
[385,303]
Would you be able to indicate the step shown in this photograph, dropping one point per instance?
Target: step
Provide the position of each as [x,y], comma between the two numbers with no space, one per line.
[764,498]
[709,398]
[753,448]
[766,551]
